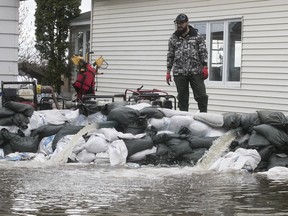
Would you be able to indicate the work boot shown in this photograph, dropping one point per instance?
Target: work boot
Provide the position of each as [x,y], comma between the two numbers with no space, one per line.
[202,103]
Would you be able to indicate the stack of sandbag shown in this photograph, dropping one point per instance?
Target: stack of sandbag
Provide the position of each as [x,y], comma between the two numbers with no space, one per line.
[267,132]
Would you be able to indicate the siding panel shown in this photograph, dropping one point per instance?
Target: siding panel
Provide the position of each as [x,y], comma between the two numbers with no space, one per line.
[133,36]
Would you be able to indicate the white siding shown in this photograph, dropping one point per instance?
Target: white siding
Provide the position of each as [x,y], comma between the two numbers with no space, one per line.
[133,37]
[9,40]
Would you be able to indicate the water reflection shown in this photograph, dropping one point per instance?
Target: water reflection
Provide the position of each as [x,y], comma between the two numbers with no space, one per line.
[91,190]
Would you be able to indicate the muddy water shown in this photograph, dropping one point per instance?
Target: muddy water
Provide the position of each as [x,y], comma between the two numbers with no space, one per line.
[102,190]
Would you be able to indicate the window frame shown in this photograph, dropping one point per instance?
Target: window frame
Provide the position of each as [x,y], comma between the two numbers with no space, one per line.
[224,83]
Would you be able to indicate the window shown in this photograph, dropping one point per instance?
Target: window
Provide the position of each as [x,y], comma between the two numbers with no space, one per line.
[224,46]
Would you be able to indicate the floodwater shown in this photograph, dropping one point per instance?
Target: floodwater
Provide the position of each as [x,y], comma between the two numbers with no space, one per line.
[74,189]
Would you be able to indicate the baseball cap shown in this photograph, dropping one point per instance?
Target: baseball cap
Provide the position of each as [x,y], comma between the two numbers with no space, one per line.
[181,18]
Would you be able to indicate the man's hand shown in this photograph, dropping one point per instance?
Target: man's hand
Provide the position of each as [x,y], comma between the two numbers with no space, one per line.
[168,78]
[205,72]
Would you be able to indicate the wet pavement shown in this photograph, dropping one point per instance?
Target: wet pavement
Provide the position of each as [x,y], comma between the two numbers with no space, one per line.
[74,189]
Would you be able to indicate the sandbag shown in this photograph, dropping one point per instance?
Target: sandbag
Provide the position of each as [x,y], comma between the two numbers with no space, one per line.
[142,154]
[46,130]
[20,121]
[85,157]
[231,120]
[117,153]
[214,120]
[96,144]
[274,135]
[159,124]
[137,127]
[7,121]
[123,115]
[152,112]
[109,106]
[257,141]
[195,156]
[66,130]
[176,122]
[178,147]
[199,129]
[272,118]
[5,112]
[17,107]
[201,142]
[277,160]
[137,145]
[248,121]
[19,143]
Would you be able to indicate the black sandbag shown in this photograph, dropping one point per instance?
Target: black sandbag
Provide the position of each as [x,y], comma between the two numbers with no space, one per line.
[178,147]
[151,112]
[195,156]
[66,130]
[21,144]
[257,141]
[2,141]
[123,115]
[266,152]
[231,120]
[272,118]
[5,112]
[46,130]
[274,135]
[162,149]
[7,121]
[277,160]
[20,120]
[137,145]
[137,127]
[248,121]
[109,106]
[201,142]
[25,109]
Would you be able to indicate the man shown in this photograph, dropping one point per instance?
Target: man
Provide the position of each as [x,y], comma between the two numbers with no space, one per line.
[186,58]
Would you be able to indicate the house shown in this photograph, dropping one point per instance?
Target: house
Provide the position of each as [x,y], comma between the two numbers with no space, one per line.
[247,42]
[9,17]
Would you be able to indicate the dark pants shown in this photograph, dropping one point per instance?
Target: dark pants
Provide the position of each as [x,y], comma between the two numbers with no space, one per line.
[199,91]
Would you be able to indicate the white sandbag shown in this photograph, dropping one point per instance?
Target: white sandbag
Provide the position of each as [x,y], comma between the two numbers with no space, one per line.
[71,115]
[96,118]
[142,154]
[176,122]
[96,144]
[110,134]
[171,112]
[199,128]
[241,159]
[214,120]
[102,158]
[131,136]
[54,116]
[79,146]
[1,153]
[45,145]
[85,157]
[37,120]
[276,173]
[159,124]
[118,153]
[139,106]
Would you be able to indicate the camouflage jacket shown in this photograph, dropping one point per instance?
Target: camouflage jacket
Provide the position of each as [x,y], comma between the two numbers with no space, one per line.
[186,55]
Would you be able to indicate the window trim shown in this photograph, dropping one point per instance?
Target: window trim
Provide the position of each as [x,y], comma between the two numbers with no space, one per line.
[224,83]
